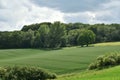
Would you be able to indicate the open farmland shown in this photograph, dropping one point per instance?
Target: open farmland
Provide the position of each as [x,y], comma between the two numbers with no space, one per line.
[66,60]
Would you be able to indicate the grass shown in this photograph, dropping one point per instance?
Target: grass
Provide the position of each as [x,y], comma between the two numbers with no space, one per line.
[108,44]
[62,61]
[106,74]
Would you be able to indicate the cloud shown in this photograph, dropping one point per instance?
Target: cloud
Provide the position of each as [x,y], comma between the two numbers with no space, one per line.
[86,17]
[18,13]
[70,6]
[15,14]
[109,13]
[106,13]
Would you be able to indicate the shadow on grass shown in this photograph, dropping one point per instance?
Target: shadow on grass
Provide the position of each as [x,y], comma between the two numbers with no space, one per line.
[85,46]
[45,49]
[48,49]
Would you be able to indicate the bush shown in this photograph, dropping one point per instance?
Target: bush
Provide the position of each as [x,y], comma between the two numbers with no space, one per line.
[2,72]
[105,61]
[25,73]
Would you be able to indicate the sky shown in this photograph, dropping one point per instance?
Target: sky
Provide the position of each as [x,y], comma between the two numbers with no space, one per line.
[14,14]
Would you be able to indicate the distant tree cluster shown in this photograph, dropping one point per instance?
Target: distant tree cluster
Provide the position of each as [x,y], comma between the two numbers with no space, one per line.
[57,34]
[46,36]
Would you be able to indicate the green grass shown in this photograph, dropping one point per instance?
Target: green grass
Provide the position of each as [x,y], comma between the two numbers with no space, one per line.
[62,61]
[106,74]
[108,44]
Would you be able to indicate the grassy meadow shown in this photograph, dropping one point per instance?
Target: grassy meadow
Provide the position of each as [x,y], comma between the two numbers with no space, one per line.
[108,44]
[106,74]
[62,61]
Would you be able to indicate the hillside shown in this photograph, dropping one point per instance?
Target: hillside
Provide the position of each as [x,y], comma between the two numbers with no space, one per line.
[106,74]
[62,61]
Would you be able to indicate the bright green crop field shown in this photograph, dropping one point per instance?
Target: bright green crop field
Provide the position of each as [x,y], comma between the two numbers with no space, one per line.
[62,61]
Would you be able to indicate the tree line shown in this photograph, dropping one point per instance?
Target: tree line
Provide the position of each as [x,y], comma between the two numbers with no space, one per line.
[57,34]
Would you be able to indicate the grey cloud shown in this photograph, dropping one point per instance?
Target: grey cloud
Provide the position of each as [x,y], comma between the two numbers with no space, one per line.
[109,12]
[18,13]
[70,6]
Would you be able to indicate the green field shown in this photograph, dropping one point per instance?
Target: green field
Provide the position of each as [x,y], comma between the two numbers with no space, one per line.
[106,74]
[62,61]
[108,44]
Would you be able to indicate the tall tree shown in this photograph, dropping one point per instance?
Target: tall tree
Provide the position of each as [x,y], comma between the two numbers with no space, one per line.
[44,36]
[27,39]
[36,43]
[57,33]
[72,37]
[85,37]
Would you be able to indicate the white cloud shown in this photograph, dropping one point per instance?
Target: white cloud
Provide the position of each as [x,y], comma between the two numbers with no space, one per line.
[87,17]
[15,14]
[18,13]
[3,26]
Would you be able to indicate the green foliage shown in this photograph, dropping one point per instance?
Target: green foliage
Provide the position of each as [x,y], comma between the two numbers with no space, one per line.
[25,73]
[2,72]
[34,27]
[57,33]
[36,42]
[86,37]
[72,36]
[27,39]
[106,32]
[44,36]
[104,61]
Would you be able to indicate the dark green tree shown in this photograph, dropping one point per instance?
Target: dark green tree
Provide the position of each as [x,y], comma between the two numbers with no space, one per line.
[72,37]
[85,37]
[36,43]
[57,33]
[44,36]
[27,39]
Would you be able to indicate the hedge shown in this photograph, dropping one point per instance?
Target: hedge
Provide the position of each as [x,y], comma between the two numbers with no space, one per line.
[25,73]
[105,61]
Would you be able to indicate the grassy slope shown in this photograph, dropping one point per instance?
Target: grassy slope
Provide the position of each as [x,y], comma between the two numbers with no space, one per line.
[108,44]
[66,60]
[106,74]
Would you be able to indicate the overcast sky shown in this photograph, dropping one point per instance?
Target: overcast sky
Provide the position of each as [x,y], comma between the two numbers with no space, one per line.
[16,13]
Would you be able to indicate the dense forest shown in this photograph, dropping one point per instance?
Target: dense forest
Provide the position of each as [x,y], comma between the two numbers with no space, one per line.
[57,34]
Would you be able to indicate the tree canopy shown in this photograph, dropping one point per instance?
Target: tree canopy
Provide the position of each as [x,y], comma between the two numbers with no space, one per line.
[57,34]
[86,37]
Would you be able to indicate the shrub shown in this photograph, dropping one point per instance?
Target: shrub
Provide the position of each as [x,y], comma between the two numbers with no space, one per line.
[2,72]
[25,73]
[105,61]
